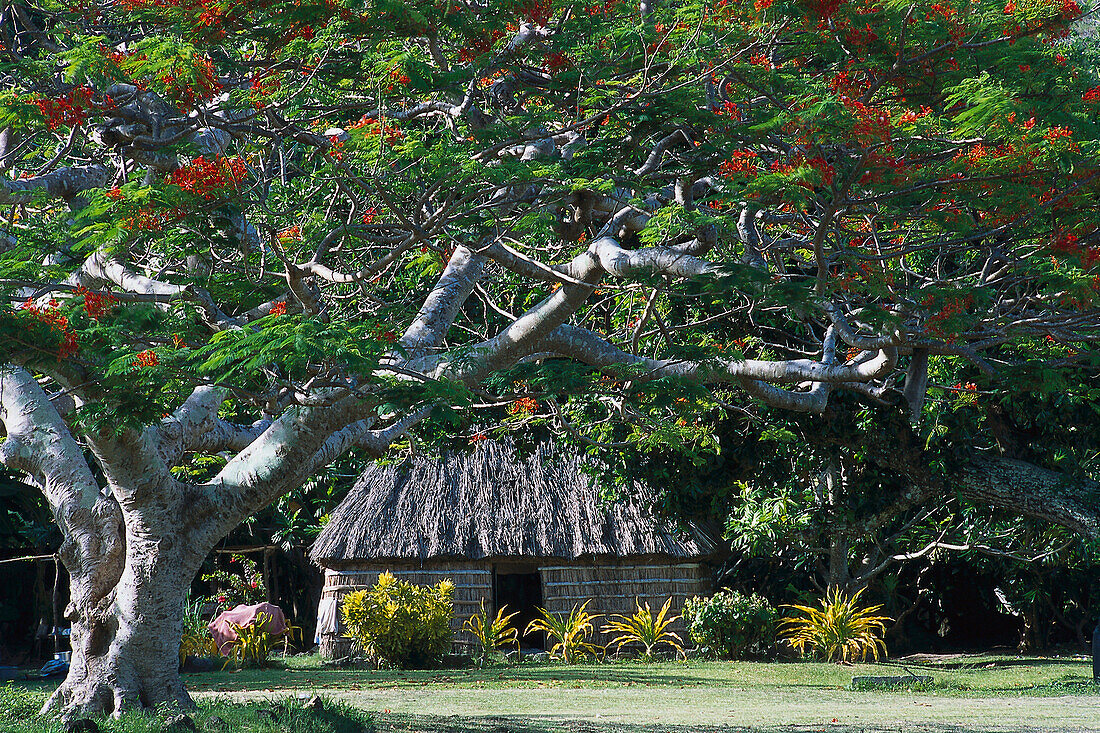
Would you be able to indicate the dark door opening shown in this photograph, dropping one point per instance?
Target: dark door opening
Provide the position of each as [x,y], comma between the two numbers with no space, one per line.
[521,592]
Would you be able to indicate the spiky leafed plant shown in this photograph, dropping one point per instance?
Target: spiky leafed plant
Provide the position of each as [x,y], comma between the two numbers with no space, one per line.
[571,632]
[492,633]
[839,631]
[196,639]
[644,628]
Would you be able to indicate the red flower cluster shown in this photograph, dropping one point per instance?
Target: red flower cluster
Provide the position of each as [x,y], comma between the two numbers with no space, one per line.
[934,324]
[1069,244]
[557,61]
[57,323]
[389,133]
[68,110]
[967,394]
[1057,133]
[210,178]
[383,334]
[370,215]
[279,309]
[872,124]
[741,161]
[823,9]
[97,305]
[523,406]
[604,8]
[909,116]
[479,46]
[1092,95]
[190,86]
[537,11]
[147,358]
[727,109]
[152,220]
[265,82]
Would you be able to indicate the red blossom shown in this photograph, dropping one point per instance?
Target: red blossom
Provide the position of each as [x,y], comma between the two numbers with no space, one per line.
[739,162]
[279,309]
[210,178]
[1057,133]
[523,406]
[97,305]
[147,358]
[68,110]
[57,323]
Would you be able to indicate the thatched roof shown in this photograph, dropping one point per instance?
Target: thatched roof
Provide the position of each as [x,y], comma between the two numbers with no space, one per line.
[489,502]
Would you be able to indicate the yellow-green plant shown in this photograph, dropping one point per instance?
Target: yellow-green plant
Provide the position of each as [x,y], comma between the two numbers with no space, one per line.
[570,631]
[196,643]
[253,643]
[196,640]
[839,631]
[492,633]
[645,629]
[288,637]
[399,623]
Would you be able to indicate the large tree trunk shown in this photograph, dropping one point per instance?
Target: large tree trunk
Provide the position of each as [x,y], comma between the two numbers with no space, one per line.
[126,643]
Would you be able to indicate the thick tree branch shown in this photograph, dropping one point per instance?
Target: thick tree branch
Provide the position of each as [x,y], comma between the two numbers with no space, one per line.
[39,444]
[64,183]
[1033,491]
[441,306]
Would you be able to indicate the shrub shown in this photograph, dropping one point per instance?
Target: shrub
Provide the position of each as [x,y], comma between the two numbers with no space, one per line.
[247,588]
[492,633]
[839,631]
[645,629]
[571,632]
[401,624]
[730,624]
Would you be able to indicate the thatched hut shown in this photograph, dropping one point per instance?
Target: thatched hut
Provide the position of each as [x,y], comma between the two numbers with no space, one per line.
[528,531]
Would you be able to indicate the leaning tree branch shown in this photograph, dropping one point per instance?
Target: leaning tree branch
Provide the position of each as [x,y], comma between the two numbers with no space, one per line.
[39,444]
[1033,491]
[64,183]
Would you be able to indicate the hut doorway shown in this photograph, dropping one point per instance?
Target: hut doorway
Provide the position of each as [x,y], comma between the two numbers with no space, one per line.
[522,593]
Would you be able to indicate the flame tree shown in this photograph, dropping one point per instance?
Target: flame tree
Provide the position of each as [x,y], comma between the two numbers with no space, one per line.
[254,236]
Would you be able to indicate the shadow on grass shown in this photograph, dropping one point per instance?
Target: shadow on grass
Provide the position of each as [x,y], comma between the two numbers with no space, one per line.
[394,723]
[989,662]
[593,676]
[1008,662]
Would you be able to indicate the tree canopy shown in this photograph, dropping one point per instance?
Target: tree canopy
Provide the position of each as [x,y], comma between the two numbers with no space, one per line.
[244,238]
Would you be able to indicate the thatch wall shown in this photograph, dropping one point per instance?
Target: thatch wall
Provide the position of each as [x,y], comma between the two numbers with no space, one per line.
[611,586]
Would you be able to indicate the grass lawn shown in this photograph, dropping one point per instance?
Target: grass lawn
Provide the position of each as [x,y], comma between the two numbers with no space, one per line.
[971,694]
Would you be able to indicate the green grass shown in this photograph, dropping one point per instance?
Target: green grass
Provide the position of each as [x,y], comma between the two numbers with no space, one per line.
[971,675]
[970,693]
[19,706]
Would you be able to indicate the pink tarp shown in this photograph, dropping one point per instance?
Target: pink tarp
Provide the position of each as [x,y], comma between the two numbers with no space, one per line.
[243,615]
